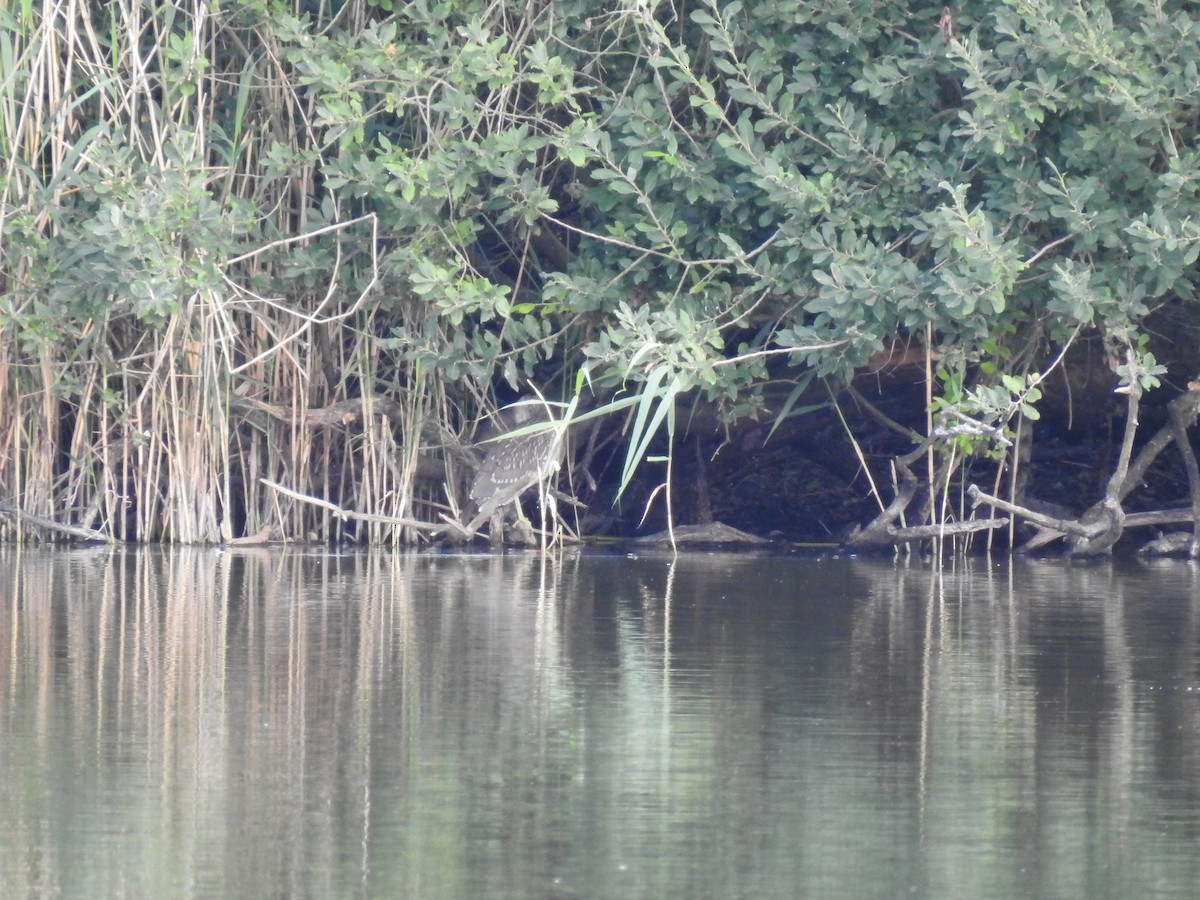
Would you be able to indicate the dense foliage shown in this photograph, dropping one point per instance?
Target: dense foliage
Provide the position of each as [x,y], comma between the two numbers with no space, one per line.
[297,205]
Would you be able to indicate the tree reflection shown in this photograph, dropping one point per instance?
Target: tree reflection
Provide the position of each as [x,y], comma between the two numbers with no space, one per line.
[302,723]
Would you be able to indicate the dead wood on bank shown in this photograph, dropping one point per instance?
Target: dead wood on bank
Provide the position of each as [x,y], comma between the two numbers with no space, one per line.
[944,529]
[705,534]
[86,534]
[1098,529]
[1094,532]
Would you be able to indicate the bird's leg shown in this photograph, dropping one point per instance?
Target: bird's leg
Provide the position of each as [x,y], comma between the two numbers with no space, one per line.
[496,527]
[522,533]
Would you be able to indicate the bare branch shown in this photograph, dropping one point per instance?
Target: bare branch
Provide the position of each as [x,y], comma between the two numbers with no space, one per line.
[341,513]
[41,522]
[1065,526]
[945,529]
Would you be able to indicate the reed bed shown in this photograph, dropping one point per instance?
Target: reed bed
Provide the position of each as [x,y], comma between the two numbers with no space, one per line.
[185,314]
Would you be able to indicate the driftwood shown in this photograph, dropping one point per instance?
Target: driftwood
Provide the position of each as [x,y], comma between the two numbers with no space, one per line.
[1103,524]
[709,534]
[1177,543]
[86,534]
[1054,528]
[262,539]
[943,530]
[1092,533]
[1050,523]
[883,531]
[877,532]
[345,412]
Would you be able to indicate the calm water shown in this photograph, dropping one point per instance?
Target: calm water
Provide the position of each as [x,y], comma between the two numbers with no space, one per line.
[302,724]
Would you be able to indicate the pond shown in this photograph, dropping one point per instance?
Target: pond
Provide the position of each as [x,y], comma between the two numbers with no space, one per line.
[310,723]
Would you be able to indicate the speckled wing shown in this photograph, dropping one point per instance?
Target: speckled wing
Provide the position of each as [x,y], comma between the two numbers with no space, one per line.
[512,466]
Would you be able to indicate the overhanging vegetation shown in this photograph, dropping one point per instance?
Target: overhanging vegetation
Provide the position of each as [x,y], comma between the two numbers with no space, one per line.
[307,244]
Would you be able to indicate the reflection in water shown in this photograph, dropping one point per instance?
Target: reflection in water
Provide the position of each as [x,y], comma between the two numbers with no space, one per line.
[307,724]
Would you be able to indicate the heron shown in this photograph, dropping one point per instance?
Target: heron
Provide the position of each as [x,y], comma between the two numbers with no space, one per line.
[515,464]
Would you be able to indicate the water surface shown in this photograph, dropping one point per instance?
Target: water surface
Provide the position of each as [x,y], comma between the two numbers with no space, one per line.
[292,723]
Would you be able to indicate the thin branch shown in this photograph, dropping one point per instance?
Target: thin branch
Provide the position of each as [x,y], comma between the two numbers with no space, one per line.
[307,236]
[1065,526]
[943,529]
[1046,249]
[1180,515]
[776,351]
[40,521]
[341,513]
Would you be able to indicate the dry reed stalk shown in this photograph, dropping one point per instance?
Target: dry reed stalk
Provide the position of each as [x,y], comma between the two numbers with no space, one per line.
[157,447]
[42,444]
[78,491]
[109,486]
[407,456]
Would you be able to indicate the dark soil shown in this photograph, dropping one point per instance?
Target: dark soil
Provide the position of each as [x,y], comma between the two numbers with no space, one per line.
[806,484]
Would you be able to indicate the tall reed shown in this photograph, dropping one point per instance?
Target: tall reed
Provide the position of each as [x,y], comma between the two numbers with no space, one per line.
[184,313]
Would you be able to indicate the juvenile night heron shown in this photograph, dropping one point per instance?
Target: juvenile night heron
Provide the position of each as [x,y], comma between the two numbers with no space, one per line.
[515,464]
